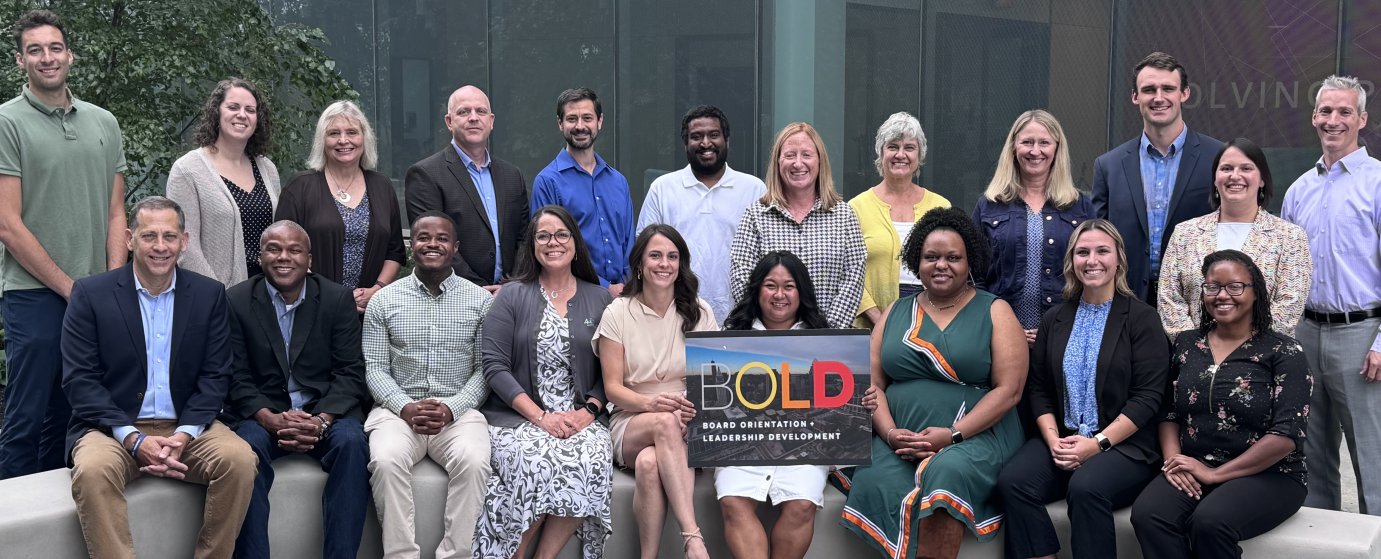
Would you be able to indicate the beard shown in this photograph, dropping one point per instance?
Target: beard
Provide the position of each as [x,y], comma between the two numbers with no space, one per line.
[580,144]
[701,169]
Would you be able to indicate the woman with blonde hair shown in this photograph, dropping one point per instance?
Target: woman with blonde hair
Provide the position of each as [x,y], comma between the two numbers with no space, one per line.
[887,211]
[349,210]
[803,213]
[1027,214]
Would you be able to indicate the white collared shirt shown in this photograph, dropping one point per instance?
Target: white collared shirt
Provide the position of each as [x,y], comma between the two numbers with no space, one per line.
[707,218]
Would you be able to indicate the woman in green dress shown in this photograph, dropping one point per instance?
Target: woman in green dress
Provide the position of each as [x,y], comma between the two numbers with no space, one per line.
[951,362]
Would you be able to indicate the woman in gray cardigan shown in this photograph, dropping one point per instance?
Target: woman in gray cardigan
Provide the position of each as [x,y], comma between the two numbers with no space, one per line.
[227,188]
[551,454]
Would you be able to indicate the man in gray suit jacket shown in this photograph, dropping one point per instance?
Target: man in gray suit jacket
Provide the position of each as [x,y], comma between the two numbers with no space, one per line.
[486,197]
[1150,184]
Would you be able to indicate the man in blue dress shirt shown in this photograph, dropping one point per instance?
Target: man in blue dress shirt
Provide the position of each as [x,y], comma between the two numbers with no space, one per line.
[596,194]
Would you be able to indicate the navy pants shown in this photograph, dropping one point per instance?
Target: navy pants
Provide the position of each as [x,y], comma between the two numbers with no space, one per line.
[36,408]
[344,456]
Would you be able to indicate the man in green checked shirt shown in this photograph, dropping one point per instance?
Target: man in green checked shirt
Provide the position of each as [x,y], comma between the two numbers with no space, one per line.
[422,362]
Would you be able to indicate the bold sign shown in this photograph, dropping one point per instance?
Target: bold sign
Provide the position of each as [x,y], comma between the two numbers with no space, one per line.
[778,397]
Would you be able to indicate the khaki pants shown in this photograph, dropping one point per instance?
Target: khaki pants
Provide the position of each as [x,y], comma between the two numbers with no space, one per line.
[102,468]
[461,448]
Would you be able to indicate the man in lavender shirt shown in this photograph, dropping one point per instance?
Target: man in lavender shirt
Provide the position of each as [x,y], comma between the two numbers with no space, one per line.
[1338,203]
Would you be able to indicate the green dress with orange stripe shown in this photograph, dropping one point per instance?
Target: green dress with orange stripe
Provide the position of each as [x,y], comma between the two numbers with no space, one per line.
[936,377]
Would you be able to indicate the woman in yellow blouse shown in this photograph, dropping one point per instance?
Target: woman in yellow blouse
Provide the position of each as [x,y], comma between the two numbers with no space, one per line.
[887,211]
[1241,191]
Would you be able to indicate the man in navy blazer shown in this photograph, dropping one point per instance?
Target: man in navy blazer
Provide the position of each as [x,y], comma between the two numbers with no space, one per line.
[146,366]
[1153,182]
[299,387]
[485,196]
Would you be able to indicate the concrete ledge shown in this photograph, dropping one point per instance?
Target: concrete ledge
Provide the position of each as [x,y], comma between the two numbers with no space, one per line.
[38,519]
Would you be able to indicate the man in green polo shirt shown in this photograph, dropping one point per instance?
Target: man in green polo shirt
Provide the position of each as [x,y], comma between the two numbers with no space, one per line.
[62,218]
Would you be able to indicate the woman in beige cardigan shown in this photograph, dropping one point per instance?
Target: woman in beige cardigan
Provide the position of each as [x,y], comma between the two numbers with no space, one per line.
[1241,192]
[227,188]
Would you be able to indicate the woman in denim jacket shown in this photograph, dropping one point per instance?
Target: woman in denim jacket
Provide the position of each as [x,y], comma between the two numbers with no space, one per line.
[1027,214]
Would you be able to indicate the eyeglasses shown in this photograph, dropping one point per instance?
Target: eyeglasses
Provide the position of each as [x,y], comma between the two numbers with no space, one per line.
[562,237]
[1234,289]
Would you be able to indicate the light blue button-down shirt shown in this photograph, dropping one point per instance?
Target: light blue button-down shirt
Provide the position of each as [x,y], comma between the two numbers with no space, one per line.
[1339,207]
[156,312]
[285,313]
[1158,172]
[484,182]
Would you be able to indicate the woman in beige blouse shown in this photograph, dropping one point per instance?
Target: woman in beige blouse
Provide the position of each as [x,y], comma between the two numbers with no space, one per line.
[642,350]
[1241,192]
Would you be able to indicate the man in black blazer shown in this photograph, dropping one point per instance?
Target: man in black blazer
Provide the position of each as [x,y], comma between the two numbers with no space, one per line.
[146,366]
[486,197]
[298,387]
[1150,184]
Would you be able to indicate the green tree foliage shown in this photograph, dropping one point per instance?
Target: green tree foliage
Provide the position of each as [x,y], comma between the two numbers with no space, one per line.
[153,62]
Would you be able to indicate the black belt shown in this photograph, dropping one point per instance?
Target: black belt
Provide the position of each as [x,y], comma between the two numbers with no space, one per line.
[1342,317]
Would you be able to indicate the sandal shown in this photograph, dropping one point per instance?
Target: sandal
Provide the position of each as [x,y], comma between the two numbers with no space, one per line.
[691,535]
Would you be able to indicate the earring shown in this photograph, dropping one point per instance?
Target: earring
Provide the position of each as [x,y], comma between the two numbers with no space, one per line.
[640,275]
[971,280]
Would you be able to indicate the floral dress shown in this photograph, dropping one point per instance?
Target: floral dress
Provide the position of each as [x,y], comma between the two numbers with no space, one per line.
[536,474]
[1261,388]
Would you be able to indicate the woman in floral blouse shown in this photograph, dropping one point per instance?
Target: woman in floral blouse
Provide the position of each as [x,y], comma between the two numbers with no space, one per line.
[1232,434]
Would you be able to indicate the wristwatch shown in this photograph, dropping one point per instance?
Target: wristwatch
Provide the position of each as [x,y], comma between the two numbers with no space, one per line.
[1104,443]
[955,436]
[593,408]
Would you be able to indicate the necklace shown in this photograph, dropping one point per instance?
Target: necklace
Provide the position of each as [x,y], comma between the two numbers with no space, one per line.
[552,294]
[943,307]
[344,194]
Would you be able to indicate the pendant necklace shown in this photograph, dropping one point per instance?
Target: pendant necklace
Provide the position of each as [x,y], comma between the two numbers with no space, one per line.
[344,194]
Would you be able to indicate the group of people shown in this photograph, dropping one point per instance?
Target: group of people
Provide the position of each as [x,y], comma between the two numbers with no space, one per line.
[1134,348]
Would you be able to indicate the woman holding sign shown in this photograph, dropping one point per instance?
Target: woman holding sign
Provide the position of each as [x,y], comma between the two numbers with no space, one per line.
[952,362]
[780,296]
[642,349]
[1098,373]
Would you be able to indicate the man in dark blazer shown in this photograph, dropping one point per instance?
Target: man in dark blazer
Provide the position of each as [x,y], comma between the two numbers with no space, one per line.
[146,365]
[298,387]
[486,197]
[1153,182]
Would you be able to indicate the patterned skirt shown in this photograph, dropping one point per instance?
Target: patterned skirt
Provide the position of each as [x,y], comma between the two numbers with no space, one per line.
[537,474]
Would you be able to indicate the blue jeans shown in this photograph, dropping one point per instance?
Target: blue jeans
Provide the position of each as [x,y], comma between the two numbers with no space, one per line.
[36,408]
[344,455]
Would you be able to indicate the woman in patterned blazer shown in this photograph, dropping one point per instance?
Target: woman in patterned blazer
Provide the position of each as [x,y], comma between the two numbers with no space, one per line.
[1241,191]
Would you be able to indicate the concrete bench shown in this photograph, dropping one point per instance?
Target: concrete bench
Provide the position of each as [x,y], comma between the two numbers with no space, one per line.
[38,519]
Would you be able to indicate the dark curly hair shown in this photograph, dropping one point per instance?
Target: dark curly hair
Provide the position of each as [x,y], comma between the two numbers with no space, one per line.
[1261,308]
[950,219]
[38,18]
[687,286]
[749,309]
[209,124]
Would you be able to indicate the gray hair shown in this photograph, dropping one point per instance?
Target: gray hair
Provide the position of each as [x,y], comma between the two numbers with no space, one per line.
[1343,82]
[350,111]
[899,126]
[282,223]
[155,203]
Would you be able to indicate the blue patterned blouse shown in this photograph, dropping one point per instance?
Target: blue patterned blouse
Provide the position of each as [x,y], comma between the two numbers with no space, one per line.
[1081,367]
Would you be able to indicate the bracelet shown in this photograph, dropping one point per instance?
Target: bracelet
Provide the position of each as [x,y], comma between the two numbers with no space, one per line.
[380,284]
[134,450]
[888,437]
[544,416]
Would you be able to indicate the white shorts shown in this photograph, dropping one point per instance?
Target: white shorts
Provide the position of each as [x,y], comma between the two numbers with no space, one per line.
[779,483]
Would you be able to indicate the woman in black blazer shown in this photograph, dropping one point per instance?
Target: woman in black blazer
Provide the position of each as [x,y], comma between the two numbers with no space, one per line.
[1098,374]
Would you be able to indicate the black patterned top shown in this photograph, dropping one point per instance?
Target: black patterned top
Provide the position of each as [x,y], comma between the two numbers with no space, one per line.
[356,222]
[1262,388]
[256,214]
